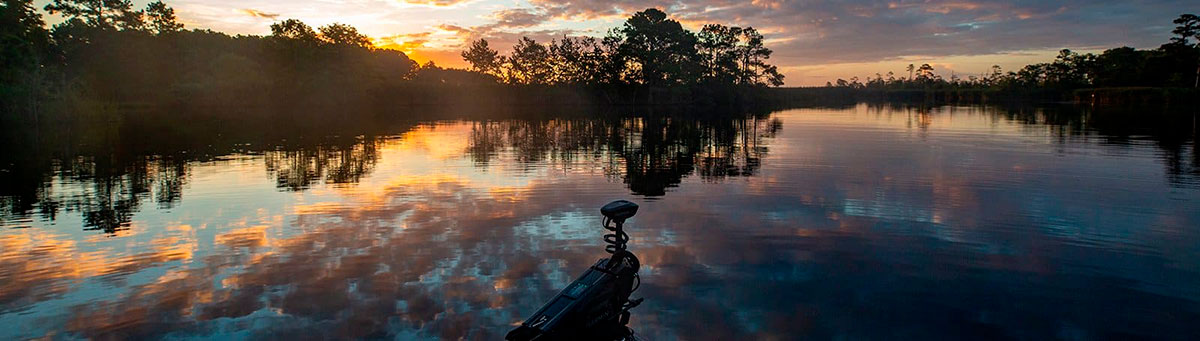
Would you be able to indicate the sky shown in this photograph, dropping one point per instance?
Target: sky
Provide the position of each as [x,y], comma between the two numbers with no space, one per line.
[814,41]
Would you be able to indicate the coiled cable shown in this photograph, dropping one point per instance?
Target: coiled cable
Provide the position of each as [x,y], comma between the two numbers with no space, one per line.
[617,240]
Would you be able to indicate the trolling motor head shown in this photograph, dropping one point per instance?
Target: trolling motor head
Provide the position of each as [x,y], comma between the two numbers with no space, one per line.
[615,214]
[596,305]
[619,210]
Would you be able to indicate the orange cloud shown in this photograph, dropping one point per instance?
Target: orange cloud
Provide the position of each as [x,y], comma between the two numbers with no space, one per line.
[257,14]
[946,8]
[406,43]
[435,3]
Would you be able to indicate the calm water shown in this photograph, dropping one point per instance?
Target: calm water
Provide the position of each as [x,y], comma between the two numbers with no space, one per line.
[859,222]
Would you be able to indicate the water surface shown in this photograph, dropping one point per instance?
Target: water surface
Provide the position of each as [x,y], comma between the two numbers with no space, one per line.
[876,222]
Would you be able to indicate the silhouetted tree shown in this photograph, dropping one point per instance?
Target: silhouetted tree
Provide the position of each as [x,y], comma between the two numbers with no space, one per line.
[104,14]
[1121,66]
[925,74]
[753,55]
[649,49]
[161,18]
[482,58]
[296,30]
[659,50]
[608,64]
[24,49]
[716,47]
[1188,27]
[344,35]
[529,63]
[994,78]
[569,59]
[25,35]
[1068,70]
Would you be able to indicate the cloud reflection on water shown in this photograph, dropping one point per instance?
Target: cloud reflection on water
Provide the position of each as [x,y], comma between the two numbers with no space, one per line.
[857,224]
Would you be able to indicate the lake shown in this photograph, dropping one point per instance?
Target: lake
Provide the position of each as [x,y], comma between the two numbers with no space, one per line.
[854,222]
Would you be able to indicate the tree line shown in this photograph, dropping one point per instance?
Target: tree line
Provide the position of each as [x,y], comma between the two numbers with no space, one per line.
[1174,64]
[108,53]
[648,49]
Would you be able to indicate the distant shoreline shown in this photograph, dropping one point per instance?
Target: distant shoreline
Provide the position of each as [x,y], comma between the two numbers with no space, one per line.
[1099,96]
[398,102]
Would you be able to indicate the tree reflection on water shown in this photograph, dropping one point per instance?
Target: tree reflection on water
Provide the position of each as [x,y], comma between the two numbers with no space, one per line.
[864,222]
[649,153]
[112,177]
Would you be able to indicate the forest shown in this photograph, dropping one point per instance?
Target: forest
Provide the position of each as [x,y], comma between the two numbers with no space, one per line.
[108,59]
[108,56]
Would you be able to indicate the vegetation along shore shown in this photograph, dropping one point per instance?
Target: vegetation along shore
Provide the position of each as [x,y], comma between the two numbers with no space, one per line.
[108,56]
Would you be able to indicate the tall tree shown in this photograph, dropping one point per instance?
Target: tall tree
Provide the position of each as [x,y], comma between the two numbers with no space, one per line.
[24,39]
[1121,66]
[344,35]
[161,18]
[660,50]
[925,73]
[296,30]
[752,55]
[608,64]
[106,14]
[770,76]
[716,47]
[481,57]
[994,78]
[737,55]
[1071,69]
[529,63]
[24,48]
[573,59]
[1188,27]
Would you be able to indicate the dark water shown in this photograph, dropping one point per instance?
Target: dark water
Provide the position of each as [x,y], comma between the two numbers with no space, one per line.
[859,222]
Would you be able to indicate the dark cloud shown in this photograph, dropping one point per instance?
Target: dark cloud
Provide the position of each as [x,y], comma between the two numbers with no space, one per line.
[808,32]
[593,9]
[519,17]
[871,31]
[538,35]
[508,28]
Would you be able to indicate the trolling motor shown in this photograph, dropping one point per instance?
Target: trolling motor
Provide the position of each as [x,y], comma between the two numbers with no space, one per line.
[596,305]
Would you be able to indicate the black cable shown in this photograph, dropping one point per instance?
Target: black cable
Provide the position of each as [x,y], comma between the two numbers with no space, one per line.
[617,243]
[617,240]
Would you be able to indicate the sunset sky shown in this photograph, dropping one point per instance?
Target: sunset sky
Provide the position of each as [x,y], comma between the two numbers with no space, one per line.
[814,41]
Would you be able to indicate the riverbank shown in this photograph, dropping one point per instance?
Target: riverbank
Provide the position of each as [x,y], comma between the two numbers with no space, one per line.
[1105,96]
[293,106]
